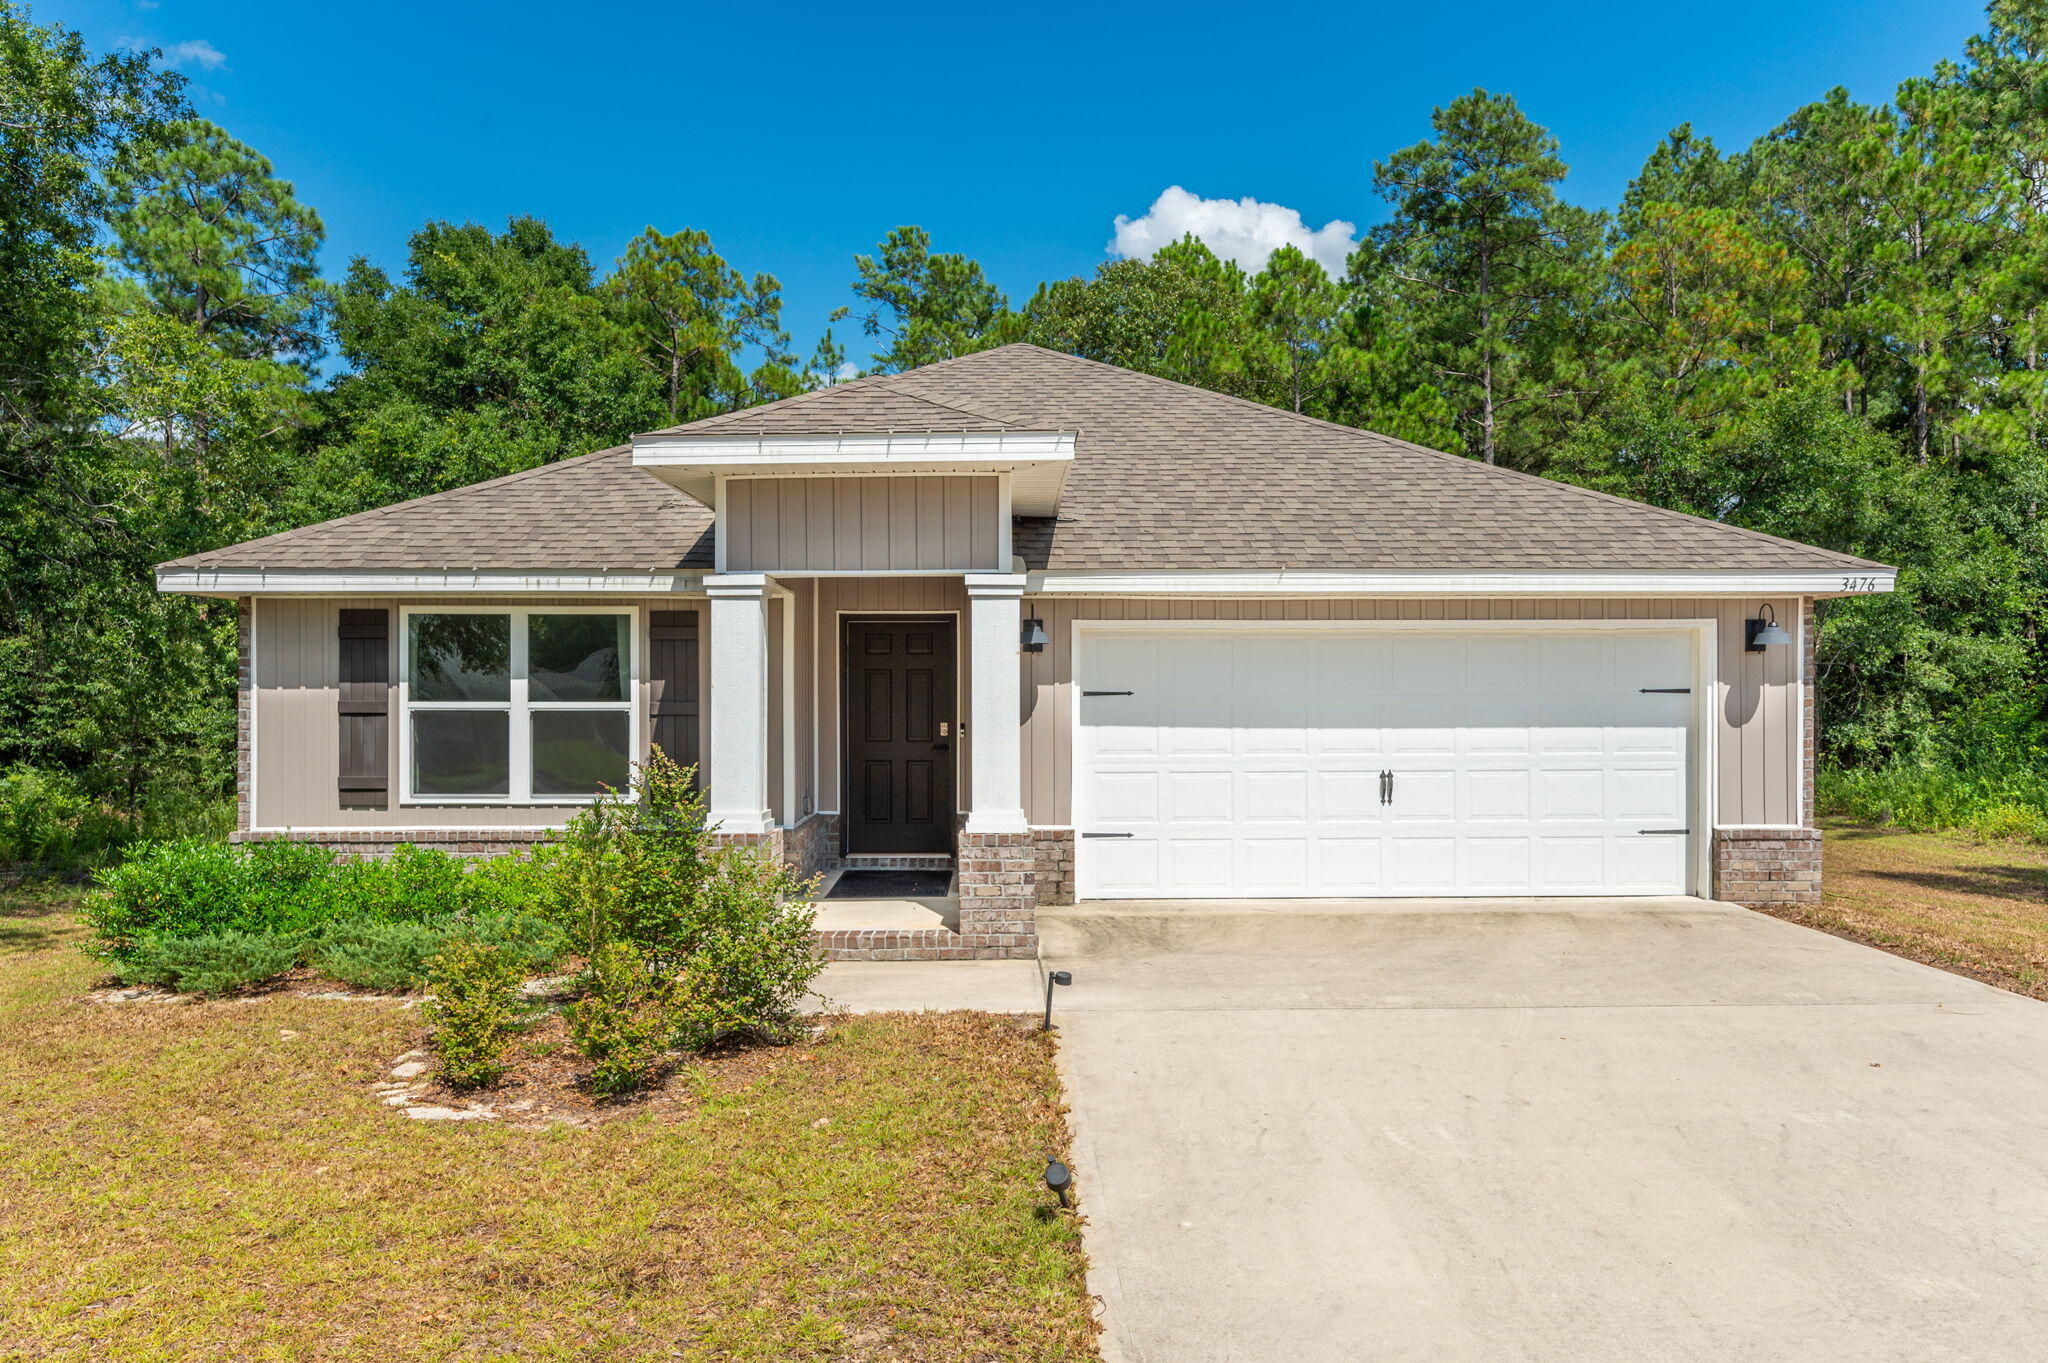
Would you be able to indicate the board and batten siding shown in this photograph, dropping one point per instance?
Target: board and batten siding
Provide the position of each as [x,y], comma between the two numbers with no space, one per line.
[910,523]
[296,758]
[1757,705]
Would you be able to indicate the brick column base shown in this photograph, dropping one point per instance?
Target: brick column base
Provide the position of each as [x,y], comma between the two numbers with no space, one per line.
[1758,867]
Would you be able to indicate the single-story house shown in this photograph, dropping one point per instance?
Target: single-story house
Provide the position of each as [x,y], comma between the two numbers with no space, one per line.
[1074,631]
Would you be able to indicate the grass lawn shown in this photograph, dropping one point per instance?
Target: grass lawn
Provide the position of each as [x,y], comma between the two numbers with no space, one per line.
[1977,908]
[218,1180]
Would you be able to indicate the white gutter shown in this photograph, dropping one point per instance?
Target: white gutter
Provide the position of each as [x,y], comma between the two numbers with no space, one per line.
[314,582]
[1303,582]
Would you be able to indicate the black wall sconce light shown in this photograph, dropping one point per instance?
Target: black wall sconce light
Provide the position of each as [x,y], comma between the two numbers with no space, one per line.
[1764,631]
[1034,636]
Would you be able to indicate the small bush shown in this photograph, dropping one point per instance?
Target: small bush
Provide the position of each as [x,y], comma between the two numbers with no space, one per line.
[2008,820]
[188,886]
[211,962]
[624,1020]
[390,958]
[475,1010]
[534,942]
[732,922]
[755,952]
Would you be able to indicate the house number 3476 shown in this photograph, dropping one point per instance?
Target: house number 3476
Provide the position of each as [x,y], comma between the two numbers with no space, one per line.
[1859,584]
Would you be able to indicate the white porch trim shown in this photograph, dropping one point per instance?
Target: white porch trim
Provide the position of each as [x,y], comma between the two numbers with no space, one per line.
[995,684]
[323,582]
[1305,582]
[736,757]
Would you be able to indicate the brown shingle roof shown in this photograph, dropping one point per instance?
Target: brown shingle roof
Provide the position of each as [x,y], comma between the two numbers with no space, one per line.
[1165,476]
[589,514]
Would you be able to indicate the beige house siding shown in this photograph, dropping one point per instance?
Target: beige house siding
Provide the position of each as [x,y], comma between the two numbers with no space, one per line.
[1758,743]
[297,660]
[1757,746]
[913,523]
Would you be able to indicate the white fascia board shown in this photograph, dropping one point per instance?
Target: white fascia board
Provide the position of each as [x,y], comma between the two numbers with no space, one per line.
[1293,582]
[317,582]
[693,464]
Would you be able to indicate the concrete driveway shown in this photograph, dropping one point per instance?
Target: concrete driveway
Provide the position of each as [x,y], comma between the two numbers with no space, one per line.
[1546,1130]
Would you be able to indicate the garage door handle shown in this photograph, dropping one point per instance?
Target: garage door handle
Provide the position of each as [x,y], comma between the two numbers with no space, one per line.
[1386,787]
[1663,832]
[1109,835]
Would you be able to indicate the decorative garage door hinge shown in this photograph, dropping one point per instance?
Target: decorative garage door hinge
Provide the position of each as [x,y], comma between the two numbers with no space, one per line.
[1109,693]
[1663,690]
[1663,832]
[1109,835]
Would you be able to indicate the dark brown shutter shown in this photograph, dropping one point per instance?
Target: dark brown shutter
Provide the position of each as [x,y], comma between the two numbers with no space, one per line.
[672,674]
[365,709]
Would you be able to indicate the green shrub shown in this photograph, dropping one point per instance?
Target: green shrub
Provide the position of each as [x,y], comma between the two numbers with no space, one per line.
[2008,820]
[211,962]
[624,1021]
[49,825]
[2003,797]
[632,870]
[754,952]
[534,942]
[475,1011]
[733,922]
[390,958]
[188,886]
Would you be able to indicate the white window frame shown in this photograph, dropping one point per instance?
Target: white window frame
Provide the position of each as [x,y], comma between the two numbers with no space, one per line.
[517,708]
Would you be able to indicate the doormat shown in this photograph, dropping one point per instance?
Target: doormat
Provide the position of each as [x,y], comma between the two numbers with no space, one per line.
[890,885]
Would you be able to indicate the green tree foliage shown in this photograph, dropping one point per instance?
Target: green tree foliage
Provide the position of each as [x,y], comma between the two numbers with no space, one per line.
[210,237]
[927,306]
[1491,265]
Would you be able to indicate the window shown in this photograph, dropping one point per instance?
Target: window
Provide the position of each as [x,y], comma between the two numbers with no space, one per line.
[517,706]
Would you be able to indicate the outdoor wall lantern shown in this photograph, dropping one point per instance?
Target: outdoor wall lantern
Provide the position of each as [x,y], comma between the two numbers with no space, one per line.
[1765,631]
[1034,636]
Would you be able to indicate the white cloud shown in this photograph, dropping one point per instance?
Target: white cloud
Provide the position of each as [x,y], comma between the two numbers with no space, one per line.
[195,52]
[846,371]
[1243,230]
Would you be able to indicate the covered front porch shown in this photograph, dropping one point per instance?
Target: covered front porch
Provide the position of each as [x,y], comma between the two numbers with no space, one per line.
[837,728]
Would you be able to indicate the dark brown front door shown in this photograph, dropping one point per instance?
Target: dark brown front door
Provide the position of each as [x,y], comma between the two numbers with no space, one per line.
[899,736]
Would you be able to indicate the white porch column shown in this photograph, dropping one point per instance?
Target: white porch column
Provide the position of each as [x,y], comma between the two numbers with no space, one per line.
[736,763]
[995,686]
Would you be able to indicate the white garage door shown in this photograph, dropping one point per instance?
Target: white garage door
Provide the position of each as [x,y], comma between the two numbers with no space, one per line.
[1217,762]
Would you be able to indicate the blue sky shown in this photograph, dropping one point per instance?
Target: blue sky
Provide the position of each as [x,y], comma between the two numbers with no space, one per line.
[1015,133]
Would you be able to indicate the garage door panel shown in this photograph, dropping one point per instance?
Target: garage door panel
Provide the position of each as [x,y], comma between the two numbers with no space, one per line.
[1197,866]
[1249,763]
[1424,797]
[1498,796]
[1646,865]
[1422,865]
[1349,795]
[1349,865]
[1128,797]
[1274,866]
[1119,868]
[1652,795]
[1568,865]
[1572,795]
[1498,865]
[1274,796]
[1272,665]
[1200,727]
[1200,797]
[1272,726]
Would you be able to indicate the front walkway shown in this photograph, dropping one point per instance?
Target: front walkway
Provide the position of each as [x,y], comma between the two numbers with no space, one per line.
[1544,1130]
